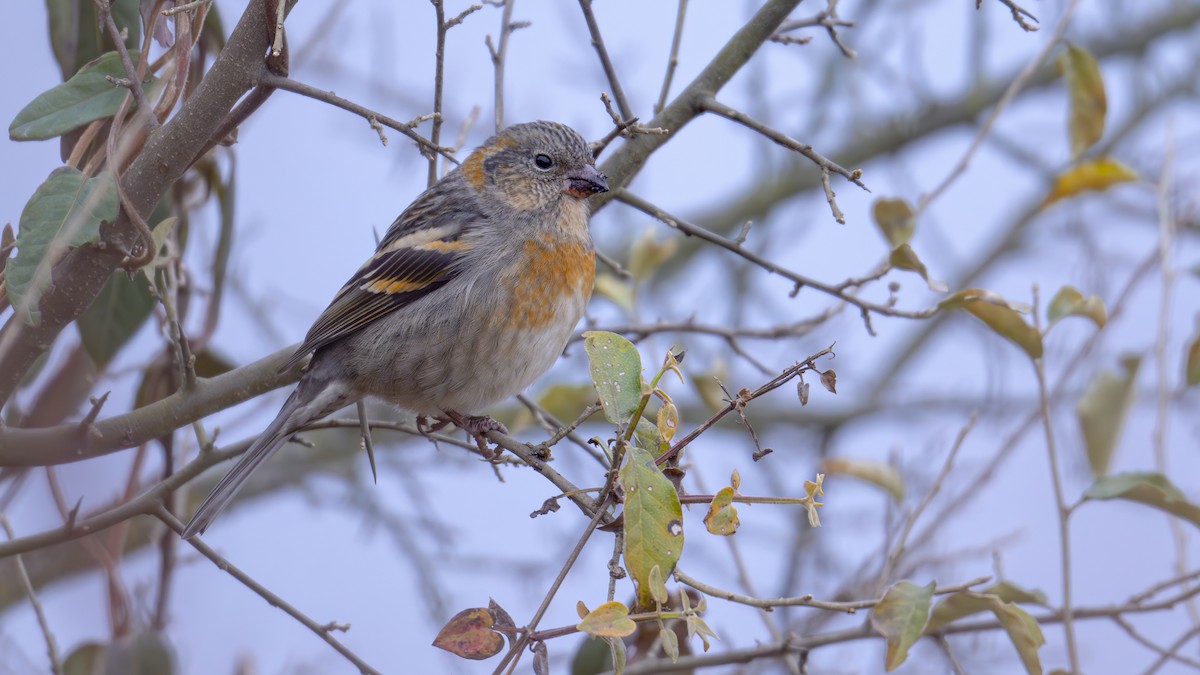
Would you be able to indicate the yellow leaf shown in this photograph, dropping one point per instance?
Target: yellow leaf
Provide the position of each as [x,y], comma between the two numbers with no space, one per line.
[878,473]
[1097,175]
[647,254]
[616,290]
[610,620]
[1089,105]
[905,258]
[722,516]
[896,220]
[1000,315]
[1070,302]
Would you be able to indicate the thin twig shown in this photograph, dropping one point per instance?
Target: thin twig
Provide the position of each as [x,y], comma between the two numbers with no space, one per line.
[134,82]
[287,84]
[56,665]
[711,104]
[806,600]
[1063,511]
[898,547]
[262,591]
[673,59]
[1166,228]
[1026,75]
[519,645]
[609,71]
[499,54]
[684,226]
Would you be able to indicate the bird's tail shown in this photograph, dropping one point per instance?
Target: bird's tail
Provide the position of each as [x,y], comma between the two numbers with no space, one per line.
[309,402]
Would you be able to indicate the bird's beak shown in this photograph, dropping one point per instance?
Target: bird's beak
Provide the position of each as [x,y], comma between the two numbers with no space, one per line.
[585,182]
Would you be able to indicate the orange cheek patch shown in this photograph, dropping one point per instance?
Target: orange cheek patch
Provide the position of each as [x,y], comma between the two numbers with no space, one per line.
[472,168]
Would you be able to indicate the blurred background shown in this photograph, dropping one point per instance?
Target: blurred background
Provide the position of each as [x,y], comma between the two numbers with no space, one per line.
[308,187]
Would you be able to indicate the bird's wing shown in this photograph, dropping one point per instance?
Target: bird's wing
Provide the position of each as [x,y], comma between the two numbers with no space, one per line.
[419,254]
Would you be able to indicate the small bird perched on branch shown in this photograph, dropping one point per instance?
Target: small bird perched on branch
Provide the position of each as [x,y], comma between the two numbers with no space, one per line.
[471,295]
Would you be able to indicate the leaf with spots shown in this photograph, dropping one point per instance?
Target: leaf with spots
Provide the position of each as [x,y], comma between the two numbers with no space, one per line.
[616,369]
[653,522]
[900,617]
[722,516]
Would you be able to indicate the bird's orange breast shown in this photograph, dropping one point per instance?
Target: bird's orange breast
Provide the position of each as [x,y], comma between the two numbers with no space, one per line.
[553,271]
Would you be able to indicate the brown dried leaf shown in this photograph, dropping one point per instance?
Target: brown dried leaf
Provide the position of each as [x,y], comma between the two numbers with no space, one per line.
[469,635]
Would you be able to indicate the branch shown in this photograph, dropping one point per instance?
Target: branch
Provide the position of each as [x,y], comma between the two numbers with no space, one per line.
[167,154]
[801,281]
[628,160]
[322,631]
[66,443]
[609,71]
[406,128]
[807,600]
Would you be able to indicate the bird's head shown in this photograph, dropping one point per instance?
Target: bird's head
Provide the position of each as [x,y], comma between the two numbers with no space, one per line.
[533,166]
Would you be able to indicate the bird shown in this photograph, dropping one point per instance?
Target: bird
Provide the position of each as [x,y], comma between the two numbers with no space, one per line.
[472,293]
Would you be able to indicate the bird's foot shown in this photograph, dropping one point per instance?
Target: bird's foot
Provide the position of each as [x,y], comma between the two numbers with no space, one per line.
[478,426]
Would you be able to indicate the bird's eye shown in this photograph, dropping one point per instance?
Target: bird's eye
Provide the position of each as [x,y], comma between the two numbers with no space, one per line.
[543,162]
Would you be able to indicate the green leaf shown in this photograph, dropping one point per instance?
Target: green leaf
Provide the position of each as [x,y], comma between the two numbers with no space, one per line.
[1024,632]
[1070,302]
[608,620]
[653,521]
[1102,412]
[1089,105]
[1000,315]
[118,312]
[670,644]
[877,473]
[143,654]
[592,658]
[84,98]
[1010,592]
[1151,489]
[65,211]
[900,617]
[722,516]
[956,606]
[896,220]
[616,369]
[76,36]
[86,659]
